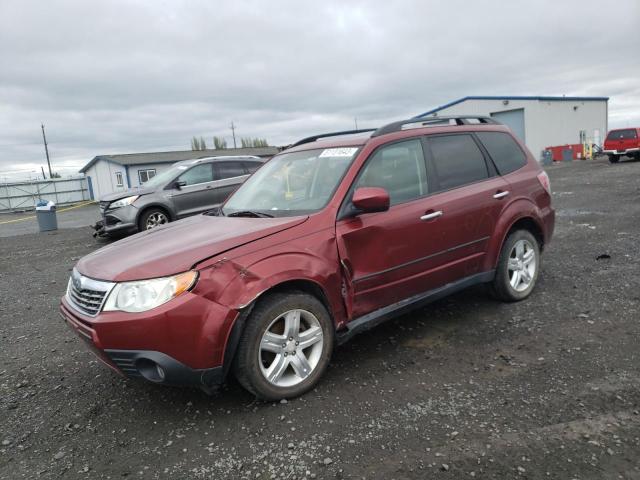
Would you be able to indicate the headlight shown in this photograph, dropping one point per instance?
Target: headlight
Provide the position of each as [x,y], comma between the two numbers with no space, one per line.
[123,202]
[143,295]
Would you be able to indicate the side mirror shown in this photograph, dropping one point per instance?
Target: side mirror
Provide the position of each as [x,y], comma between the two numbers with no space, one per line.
[370,199]
[179,184]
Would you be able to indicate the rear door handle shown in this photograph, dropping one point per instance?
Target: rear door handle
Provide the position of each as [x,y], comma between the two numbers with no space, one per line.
[431,216]
[501,194]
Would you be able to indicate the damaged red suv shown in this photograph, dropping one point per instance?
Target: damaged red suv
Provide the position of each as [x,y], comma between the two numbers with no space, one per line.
[326,240]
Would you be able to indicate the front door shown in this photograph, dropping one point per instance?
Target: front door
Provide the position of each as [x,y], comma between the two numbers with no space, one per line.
[197,192]
[385,255]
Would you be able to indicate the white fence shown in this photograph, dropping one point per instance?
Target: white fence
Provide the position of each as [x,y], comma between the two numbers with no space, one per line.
[20,196]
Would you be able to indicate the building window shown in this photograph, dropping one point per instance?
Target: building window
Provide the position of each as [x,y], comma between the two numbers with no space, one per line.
[119,180]
[144,175]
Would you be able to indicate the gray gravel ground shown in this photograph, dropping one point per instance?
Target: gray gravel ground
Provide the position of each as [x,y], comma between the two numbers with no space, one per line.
[465,388]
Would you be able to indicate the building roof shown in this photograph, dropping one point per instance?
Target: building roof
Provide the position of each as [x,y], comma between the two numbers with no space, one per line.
[172,157]
[515,97]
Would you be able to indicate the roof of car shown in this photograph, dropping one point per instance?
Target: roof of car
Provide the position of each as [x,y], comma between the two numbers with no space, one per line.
[431,125]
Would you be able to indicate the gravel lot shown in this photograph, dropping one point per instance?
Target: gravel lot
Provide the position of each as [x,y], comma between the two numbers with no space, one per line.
[468,387]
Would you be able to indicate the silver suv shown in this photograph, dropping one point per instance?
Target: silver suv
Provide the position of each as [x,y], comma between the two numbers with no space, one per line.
[187,188]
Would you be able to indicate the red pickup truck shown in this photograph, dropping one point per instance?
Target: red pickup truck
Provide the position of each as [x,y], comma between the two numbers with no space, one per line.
[624,141]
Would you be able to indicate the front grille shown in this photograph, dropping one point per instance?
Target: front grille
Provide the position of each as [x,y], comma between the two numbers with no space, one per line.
[86,294]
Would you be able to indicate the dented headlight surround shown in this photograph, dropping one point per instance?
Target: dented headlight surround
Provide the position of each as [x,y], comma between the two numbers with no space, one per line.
[143,295]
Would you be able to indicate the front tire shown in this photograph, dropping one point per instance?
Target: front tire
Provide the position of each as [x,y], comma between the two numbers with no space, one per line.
[152,218]
[614,158]
[285,347]
[518,267]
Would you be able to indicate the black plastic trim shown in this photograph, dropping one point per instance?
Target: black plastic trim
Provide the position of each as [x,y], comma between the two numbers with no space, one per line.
[332,134]
[373,319]
[135,363]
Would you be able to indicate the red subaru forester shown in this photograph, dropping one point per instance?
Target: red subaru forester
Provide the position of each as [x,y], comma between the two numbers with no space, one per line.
[328,239]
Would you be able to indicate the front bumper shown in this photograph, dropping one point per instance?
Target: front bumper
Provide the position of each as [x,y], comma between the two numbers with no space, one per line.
[118,220]
[180,343]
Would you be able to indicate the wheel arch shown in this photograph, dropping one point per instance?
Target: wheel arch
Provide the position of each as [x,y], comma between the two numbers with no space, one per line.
[303,285]
[527,218]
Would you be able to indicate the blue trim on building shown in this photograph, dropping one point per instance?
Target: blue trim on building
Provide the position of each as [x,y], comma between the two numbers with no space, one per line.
[539,98]
[90,185]
[126,171]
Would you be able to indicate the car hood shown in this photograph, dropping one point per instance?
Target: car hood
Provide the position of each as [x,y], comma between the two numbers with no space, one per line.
[110,197]
[178,246]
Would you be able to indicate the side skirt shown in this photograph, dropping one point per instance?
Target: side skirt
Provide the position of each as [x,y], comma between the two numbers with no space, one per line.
[373,319]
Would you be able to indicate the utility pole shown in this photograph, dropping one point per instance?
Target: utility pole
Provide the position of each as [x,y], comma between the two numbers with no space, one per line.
[355,120]
[46,150]
[233,132]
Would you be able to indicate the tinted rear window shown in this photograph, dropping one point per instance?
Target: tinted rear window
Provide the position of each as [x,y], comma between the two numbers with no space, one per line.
[252,166]
[457,160]
[627,134]
[229,170]
[504,151]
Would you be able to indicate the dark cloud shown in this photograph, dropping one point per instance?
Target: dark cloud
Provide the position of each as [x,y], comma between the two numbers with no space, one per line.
[123,76]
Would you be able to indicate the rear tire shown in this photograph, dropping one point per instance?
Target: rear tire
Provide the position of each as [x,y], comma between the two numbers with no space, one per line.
[285,347]
[518,267]
[152,218]
[614,158]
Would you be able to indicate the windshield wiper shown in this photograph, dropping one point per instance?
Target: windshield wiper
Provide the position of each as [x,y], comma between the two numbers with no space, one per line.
[250,213]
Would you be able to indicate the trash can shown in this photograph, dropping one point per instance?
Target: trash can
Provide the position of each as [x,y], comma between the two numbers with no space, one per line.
[46,214]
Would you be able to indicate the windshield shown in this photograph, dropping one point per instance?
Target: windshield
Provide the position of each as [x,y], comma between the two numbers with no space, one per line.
[291,184]
[164,177]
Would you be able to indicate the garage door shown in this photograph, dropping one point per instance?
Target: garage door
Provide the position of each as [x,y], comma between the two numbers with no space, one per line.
[514,119]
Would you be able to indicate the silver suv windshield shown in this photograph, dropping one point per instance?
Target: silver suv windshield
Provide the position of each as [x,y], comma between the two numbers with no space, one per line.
[290,184]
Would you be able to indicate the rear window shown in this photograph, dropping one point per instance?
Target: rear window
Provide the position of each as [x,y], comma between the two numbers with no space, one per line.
[504,151]
[626,134]
[457,160]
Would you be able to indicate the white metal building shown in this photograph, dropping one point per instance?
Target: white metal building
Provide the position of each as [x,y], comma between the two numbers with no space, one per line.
[540,121]
[111,173]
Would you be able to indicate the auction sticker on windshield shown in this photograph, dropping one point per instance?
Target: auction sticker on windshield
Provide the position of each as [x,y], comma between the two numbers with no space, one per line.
[338,152]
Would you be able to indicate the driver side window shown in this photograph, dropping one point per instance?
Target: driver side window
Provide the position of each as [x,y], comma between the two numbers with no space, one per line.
[399,168]
[199,174]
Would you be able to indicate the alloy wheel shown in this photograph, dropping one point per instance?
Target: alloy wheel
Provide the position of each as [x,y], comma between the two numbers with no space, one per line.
[155,219]
[522,265]
[290,348]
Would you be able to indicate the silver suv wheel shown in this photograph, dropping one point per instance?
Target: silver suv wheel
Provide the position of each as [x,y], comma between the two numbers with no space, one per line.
[155,219]
[290,348]
[522,265]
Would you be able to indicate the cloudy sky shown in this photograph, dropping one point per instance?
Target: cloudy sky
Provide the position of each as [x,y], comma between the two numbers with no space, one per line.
[127,76]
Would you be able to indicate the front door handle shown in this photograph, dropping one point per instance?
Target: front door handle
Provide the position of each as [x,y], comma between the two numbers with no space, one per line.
[501,194]
[431,216]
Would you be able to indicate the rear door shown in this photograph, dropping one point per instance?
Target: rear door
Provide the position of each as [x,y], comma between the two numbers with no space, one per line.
[228,176]
[197,194]
[468,197]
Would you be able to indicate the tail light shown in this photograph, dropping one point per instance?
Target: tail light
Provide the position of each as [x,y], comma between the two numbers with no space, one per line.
[543,178]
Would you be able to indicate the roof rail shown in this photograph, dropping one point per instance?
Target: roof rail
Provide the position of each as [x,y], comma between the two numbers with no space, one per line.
[433,122]
[332,134]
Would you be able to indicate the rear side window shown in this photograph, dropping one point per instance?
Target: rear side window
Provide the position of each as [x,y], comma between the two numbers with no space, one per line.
[399,168]
[252,166]
[457,160]
[504,151]
[228,170]
[626,134]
